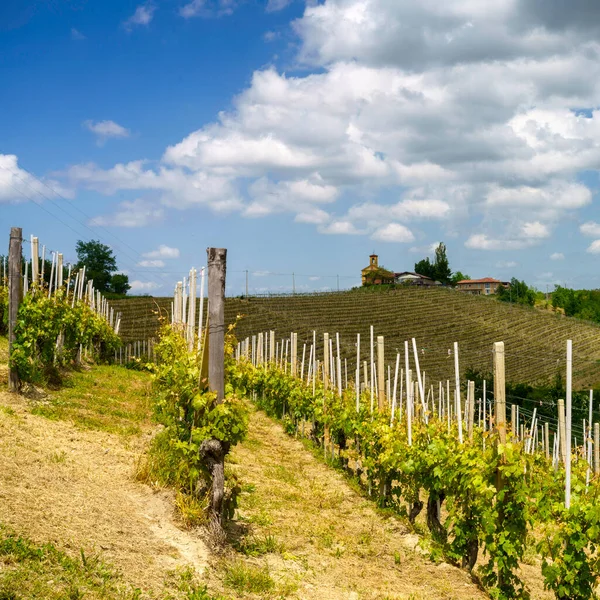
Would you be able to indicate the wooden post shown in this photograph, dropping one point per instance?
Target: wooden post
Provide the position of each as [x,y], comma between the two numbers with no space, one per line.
[568,416]
[562,431]
[500,391]
[15,291]
[326,361]
[213,451]
[380,373]
[458,406]
[35,261]
[217,266]
[596,448]
[294,351]
[357,378]
[547,439]
[471,408]
[513,421]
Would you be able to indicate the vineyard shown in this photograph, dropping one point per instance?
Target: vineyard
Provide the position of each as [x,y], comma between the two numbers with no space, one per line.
[436,318]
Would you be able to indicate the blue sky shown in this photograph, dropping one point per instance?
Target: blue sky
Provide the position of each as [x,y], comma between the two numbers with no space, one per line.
[303,137]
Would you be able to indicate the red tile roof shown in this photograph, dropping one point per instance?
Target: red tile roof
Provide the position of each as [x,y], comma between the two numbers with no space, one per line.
[484,280]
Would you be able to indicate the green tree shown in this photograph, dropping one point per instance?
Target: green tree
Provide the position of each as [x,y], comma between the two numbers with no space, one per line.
[439,269]
[425,267]
[443,272]
[458,276]
[100,264]
[120,283]
[518,293]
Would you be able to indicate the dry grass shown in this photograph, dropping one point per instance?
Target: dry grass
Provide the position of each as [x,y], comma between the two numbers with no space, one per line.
[303,526]
[69,482]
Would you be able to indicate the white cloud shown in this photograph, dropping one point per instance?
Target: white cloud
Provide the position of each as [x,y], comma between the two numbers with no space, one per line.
[594,247]
[151,263]
[457,112]
[480,241]
[261,273]
[270,36]
[590,228]
[135,213]
[18,185]
[207,8]
[557,256]
[143,15]
[535,230]
[163,251]
[506,264]
[104,130]
[275,5]
[144,286]
[393,232]
[76,34]
[339,228]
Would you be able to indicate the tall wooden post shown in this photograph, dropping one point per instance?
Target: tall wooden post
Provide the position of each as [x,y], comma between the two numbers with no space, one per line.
[562,430]
[596,448]
[471,408]
[500,391]
[217,265]
[15,294]
[213,451]
[380,373]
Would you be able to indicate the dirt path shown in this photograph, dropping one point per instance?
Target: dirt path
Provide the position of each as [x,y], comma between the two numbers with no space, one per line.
[332,543]
[74,487]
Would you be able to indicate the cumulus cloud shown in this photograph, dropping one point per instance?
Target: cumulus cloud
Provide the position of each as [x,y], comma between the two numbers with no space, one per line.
[142,16]
[557,256]
[594,247]
[135,213]
[590,228]
[144,286]
[393,232]
[460,113]
[163,251]
[104,130]
[18,185]
[151,263]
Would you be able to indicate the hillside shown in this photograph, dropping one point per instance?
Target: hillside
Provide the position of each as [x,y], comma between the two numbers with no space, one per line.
[535,341]
[75,522]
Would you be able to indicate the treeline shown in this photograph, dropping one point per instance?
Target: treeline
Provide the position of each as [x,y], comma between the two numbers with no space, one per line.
[583,304]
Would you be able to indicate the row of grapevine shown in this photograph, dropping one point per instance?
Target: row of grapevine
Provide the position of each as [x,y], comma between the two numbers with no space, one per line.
[59,320]
[535,340]
[504,487]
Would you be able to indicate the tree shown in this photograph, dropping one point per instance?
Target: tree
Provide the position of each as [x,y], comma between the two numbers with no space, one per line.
[458,276]
[438,270]
[120,283]
[518,293]
[100,264]
[442,266]
[425,267]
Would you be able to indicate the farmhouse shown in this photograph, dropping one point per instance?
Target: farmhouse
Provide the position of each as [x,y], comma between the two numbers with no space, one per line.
[408,277]
[374,274]
[481,287]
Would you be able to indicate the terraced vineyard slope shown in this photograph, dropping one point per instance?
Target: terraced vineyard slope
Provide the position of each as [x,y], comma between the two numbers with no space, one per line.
[535,341]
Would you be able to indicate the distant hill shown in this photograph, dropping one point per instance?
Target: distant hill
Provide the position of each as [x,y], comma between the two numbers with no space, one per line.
[535,341]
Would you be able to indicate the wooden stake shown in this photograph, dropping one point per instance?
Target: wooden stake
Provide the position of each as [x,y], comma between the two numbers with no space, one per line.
[562,431]
[15,291]
[217,267]
[471,408]
[380,373]
[500,391]
[596,448]
[457,394]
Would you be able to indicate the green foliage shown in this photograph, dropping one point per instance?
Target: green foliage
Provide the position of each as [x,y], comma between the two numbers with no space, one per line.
[518,293]
[190,415]
[583,304]
[100,265]
[495,495]
[44,571]
[3,309]
[458,276]
[40,322]
[379,276]
[439,270]
[248,579]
